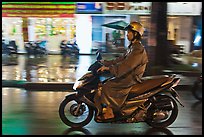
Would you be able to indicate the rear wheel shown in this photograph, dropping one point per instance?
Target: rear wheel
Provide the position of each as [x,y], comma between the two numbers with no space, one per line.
[75,114]
[163,111]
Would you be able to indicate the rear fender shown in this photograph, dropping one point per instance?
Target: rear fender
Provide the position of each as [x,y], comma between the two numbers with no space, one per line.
[176,96]
[173,83]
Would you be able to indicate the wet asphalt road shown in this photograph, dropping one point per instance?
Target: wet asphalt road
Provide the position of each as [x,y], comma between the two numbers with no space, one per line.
[36,113]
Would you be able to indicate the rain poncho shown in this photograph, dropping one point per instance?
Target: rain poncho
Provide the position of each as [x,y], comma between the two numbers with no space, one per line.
[128,70]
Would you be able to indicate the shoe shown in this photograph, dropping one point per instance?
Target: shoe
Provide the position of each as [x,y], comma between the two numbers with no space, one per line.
[106,114]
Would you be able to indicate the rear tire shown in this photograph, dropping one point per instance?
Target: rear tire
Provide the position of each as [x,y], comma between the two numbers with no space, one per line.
[153,109]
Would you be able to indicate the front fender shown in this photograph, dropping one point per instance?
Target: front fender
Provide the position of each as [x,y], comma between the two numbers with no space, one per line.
[79,99]
[71,96]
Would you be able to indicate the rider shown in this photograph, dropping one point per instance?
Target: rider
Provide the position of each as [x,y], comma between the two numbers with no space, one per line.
[127,69]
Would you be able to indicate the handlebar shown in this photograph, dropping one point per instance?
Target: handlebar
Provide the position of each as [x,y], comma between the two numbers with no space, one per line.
[95,66]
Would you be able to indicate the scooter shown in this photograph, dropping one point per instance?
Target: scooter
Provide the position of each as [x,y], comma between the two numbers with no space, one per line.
[36,47]
[69,48]
[10,48]
[153,101]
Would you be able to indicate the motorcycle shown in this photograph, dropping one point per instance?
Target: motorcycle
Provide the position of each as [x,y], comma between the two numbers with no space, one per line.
[197,88]
[68,48]
[36,47]
[154,101]
[10,48]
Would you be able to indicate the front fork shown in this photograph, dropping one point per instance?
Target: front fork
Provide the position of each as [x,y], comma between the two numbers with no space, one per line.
[82,99]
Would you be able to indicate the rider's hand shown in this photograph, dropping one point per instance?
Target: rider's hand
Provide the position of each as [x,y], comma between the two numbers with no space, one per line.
[103,68]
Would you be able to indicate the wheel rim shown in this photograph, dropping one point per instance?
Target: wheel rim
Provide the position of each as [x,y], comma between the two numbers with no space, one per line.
[74,116]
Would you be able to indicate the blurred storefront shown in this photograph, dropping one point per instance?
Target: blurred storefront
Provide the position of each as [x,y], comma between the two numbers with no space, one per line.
[196,43]
[57,21]
[107,39]
[133,12]
[180,19]
[54,30]
[103,38]
[12,30]
[51,21]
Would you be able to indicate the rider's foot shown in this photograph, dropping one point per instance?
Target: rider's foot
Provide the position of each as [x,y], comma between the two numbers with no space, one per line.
[101,118]
[107,113]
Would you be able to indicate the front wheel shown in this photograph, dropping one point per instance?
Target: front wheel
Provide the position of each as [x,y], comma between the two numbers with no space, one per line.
[75,114]
[163,112]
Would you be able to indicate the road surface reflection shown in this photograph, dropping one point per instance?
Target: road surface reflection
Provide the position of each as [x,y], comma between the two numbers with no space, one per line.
[36,113]
[150,131]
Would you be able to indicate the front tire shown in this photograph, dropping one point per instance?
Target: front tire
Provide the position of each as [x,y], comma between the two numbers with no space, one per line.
[73,115]
[163,104]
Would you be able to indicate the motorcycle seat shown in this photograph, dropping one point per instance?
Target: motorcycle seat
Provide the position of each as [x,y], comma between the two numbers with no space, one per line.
[147,84]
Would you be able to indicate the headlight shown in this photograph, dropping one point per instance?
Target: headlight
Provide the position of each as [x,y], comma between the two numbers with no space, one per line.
[77,84]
